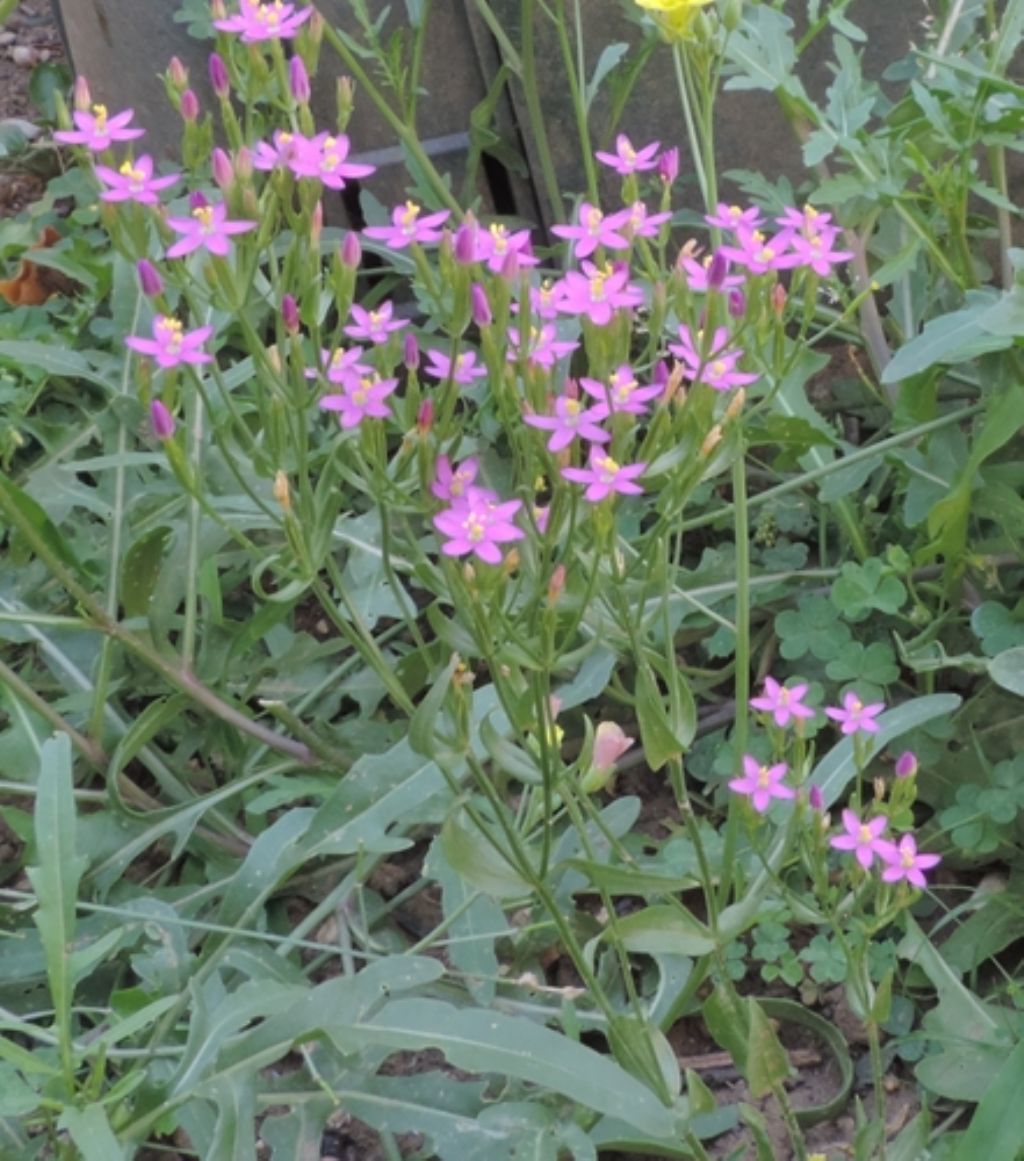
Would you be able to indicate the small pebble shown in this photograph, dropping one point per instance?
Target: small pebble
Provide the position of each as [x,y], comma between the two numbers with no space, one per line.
[22,55]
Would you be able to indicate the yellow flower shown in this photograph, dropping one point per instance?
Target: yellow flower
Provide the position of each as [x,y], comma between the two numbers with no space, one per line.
[673,17]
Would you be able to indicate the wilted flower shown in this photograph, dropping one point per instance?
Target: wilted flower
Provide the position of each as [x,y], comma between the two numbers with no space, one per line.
[610,743]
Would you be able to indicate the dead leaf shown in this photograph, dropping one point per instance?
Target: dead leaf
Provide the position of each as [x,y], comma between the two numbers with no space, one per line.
[34,284]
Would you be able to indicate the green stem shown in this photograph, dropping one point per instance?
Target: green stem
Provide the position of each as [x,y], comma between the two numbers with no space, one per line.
[534,111]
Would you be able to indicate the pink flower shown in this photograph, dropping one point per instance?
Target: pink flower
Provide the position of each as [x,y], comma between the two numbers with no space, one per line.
[271,21]
[342,366]
[207,229]
[494,246]
[863,838]
[285,150]
[451,484]
[623,394]
[375,325]
[360,399]
[542,347]
[782,703]
[905,863]
[133,181]
[761,783]
[626,159]
[570,420]
[718,368]
[605,476]
[641,224]
[698,273]
[595,229]
[598,292]
[543,300]
[610,743]
[808,221]
[407,227]
[477,524]
[462,369]
[855,716]
[817,252]
[728,217]
[324,157]
[759,254]
[96,129]
[171,344]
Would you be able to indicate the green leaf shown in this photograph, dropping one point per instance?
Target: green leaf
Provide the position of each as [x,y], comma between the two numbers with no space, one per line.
[17,1097]
[660,742]
[861,588]
[767,1062]
[950,338]
[997,1127]
[1007,669]
[664,929]
[482,1042]
[41,525]
[91,1132]
[617,880]
[609,58]
[728,1021]
[140,570]
[479,862]
[52,359]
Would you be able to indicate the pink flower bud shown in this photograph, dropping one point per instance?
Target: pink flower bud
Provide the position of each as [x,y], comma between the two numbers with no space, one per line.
[219,79]
[197,200]
[510,267]
[717,271]
[223,170]
[425,417]
[556,584]
[668,166]
[906,764]
[290,314]
[177,74]
[779,297]
[351,251]
[464,247]
[150,282]
[189,106]
[610,743]
[481,307]
[411,353]
[737,303]
[82,96]
[660,373]
[217,10]
[298,80]
[243,164]
[161,420]
[815,798]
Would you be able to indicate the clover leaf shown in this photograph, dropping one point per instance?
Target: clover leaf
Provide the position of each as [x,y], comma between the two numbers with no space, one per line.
[862,588]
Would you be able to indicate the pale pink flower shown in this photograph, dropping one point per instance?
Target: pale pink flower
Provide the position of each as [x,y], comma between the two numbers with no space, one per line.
[171,344]
[606,476]
[97,130]
[477,524]
[571,420]
[325,158]
[462,369]
[818,252]
[626,160]
[642,224]
[497,243]
[728,217]
[376,325]
[208,228]
[698,274]
[408,227]
[451,483]
[542,347]
[610,743]
[543,300]
[904,862]
[360,399]
[718,368]
[284,150]
[598,292]
[863,838]
[759,254]
[341,366]
[594,229]
[271,21]
[855,716]
[134,182]
[782,703]
[761,783]
[622,393]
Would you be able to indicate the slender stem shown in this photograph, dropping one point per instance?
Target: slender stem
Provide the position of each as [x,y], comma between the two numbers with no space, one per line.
[91,750]
[696,150]
[534,111]
[575,75]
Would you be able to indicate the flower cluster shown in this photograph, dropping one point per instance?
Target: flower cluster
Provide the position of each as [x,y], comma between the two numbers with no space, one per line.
[323,157]
[805,238]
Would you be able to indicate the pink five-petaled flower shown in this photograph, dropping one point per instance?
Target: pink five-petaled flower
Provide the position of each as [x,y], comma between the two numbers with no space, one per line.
[272,21]
[626,160]
[623,394]
[133,182]
[606,476]
[762,783]
[478,523]
[462,369]
[324,157]
[208,228]
[718,368]
[542,347]
[572,419]
[641,224]
[408,227]
[374,325]
[97,130]
[171,344]
[903,862]
[451,483]
[782,703]
[341,366]
[863,838]
[855,716]
[759,254]
[595,229]
[359,399]
[598,292]
[494,245]
[728,217]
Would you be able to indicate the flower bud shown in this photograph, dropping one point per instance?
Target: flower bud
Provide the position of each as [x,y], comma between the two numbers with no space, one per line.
[217,10]
[425,417]
[82,97]
[668,165]
[481,307]
[411,353]
[906,764]
[510,267]
[282,493]
[161,420]
[717,271]
[732,15]
[736,404]
[351,251]
[815,798]
[150,282]
[316,225]
[610,743]
[290,314]
[556,585]
[711,441]
[177,74]
[220,82]
[737,303]
[464,247]
[346,91]
[189,106]
[779,297]
[298,80]
[223,170]
[243,164]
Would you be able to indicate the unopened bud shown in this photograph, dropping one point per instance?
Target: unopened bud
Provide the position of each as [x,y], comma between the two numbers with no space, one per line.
[223,170]
[411,353]
[815,798]
[351,251]
[217,10]
[177,74]
[82,97]
[668,166]
[878,785]
[220,82]
[510,267]
[274,359]
[197,200]
[711,441]
[556,585]
[346,91]
[779,297]
[717,271]
[150,282]
[732,15]
[906,764]
[737,303]
[735,408]
[464,246]
[316,225]
[161,420]
[189,106]
[425,417]
[282,493]
[290,314]
[298,80]
[481,307]
[243,164]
